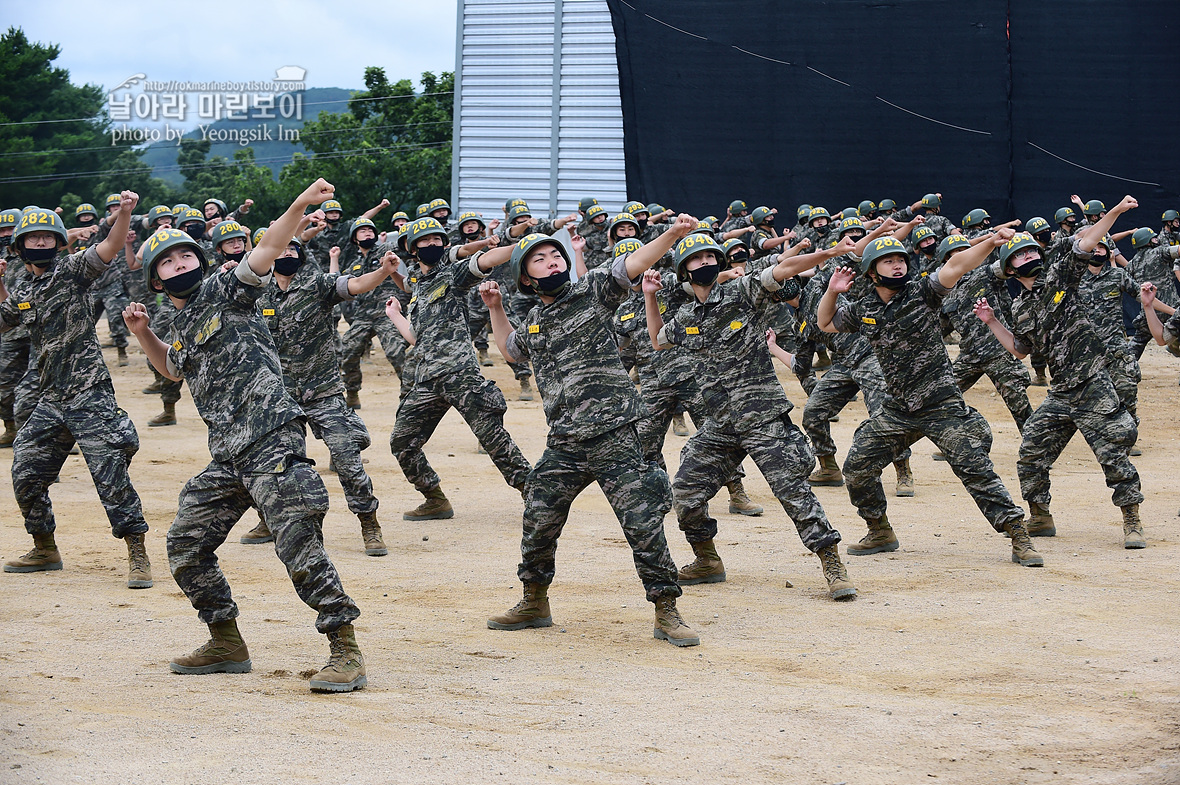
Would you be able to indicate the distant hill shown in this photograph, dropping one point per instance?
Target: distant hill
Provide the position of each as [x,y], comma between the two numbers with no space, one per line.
[163,154]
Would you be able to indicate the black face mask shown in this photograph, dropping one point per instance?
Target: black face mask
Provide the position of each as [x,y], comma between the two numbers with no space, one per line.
[181,286]
[893,283]
[789,291]
[1031,269]
[1043,238]
[768,223]
[469,236]
[642,223]
[1098,261]
[39,257]
[704,275]
[430,255]
[822,230]
[367,243]
[288,265]
[553,285]
[928,250]
[739,257]
[195,230]
[332,221]
[5,241]
[234,257]
[87,221]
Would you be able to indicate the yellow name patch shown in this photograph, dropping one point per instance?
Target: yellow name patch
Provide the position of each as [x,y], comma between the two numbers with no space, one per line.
[268,311]
[1059,296]
[626,316]
[735,325]
[178,346]
[868,320]
[534,329]
[692,331]
[24,306]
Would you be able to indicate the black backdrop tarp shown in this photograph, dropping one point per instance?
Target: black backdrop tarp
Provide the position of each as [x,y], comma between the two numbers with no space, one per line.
[1095,83]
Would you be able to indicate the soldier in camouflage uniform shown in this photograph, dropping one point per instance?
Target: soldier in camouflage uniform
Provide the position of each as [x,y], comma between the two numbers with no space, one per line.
[1170,231]
[1052,314]
[14,344]
[899,317]
[765,240]
[930,208]
[76,400]
[719,328]
[1153,263]
[221,345]
[598,247]
[447,374]
[737,216]
[591,407]
[297,307]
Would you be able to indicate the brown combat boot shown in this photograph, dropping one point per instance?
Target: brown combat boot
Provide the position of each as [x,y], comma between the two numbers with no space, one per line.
[1023,552]
[822,360]
[1039,379]
[352,399]
[9,435]
[679,426]
[526,390]
[436,507]
[224,652]
[484,359]
[1040,521]
[706,568]
[166,417]
[880,539]
[836,574]
[139,569]
[1133,538]
[828,473]
[371,532]
[258,535]
[43,558]
[155,388]
[123,361]
[345,670]
[938,456]
[670,627]
[531,611]
[905,478]
[739,502]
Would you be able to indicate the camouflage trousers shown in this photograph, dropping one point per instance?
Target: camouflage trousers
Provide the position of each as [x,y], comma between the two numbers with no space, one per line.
[1095,410]
[161,324]
[1125,374]
[108,441]
[14,362]
[357,340]
[1009,376]
[112,299]
[782,454]
[28,392]
[836,390]
[345,434]
[479,324]
[274,475]
[481,404]
[959,432]
[663,401]
[638,493]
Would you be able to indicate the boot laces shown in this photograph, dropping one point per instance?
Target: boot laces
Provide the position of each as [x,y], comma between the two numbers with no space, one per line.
[138,557]
[670,613]
[833,567]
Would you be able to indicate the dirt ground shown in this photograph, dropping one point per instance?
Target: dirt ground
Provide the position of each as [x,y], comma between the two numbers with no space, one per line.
[953,665]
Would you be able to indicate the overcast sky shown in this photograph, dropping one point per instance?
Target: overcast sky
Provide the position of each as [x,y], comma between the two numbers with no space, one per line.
[104,43]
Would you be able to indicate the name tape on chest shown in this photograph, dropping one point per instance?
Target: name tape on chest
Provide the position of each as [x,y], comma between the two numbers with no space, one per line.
[534,329]
[626,317]
[268,311]
[868,320]
[692,331]
[177,346]
[24,306]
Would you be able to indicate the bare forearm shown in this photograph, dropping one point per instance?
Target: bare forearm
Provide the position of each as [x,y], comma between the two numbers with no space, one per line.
[367,282]
[1005,337]
[1154,324]
[826,312]
[655,322]
[156,351]
[785,357]
[404,327]
[501,329]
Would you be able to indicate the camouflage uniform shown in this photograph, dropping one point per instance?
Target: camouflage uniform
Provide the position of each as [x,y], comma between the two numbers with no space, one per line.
[941,225]
[479,320]
[109,294]
[1054,317]
[1154,264]
[368,319]
[750,412]
[14,344]
[447,375]
[598,248]
[1104,294]
[733,222]
[76,400]
[320,246]
[924,400]
[979,351]
[591,407]
[300,322]
[222,347]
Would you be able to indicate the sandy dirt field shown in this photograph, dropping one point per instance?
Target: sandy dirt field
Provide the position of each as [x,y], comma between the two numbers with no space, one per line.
[954,665]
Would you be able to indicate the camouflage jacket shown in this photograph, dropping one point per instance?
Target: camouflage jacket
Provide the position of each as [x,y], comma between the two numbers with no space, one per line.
[14,278]
[976,341]
[941,225]
[303,331]
[725,337]
[671,366]
[598,248]
[1053,319]
[55,307]
[320,245]
[370,306]
[1103,292]
[907,341]
[584,389]
[438,314]
[732,222]
[221,346]
[1155,264]
[848,349]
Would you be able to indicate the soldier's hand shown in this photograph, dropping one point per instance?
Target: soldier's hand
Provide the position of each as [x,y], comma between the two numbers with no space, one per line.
[578,242]
[493,240]
[747,229]
[246,205]
[381,238]
[771,338]
[1146,293]
[229,265]
[918,220]
[983,309]
[805,243]
[393,308]
[790,235]
[685,223]
[128,240]
[847,245]
[57,210]
[531,222]
[135,316]
[1076,200]
[1128,203]
[1002,236]
[334,252]
[489,292]
[319,191]
[841,280]
[729,275]
[384,203]
[493,225]
[389,263]
[127,201]
[651,282]
[3,266]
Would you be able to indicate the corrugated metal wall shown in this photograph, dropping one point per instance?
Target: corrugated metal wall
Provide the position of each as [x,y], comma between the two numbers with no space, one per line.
[537,114]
